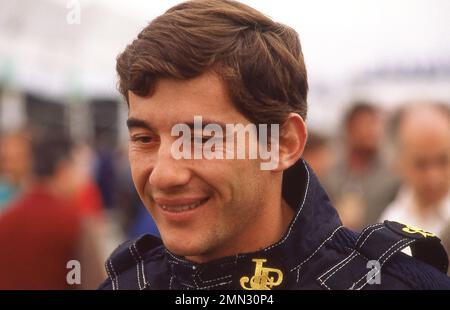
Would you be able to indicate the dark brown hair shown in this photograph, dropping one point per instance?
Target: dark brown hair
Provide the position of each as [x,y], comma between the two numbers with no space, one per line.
[357,108]
[259,61]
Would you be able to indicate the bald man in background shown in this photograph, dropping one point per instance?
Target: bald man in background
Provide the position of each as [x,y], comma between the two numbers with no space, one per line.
[422,139]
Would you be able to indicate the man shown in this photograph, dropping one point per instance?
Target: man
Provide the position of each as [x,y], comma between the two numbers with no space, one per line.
[228,223]
[360,184]
[318,153]
[423,163]
[15,162]
[42,231]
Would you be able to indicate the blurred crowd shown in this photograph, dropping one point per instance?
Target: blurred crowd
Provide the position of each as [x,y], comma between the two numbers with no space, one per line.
[63,200]
[388,165]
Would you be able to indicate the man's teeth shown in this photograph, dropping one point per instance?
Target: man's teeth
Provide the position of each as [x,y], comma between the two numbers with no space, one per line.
[182,208]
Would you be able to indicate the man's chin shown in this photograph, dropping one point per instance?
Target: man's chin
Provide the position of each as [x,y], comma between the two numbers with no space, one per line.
[196,255]
[180,248]
[433,197]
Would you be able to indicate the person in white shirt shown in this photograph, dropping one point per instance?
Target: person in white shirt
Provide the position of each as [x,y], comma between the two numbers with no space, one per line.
[422,139]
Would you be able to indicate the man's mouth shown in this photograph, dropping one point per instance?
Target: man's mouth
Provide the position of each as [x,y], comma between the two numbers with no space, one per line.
[178,207]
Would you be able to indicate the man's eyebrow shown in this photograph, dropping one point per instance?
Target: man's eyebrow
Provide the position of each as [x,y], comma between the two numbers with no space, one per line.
[138,123]
[206,122]
[133,122]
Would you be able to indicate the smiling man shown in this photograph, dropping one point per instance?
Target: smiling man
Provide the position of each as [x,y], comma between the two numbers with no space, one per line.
[225,223]
[205,209]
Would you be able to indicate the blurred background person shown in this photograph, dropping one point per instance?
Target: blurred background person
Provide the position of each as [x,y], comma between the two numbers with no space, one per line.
[87,196]
[360,183]
[15,164]
[421,135]
[43,228]
[318,153]
[134,218]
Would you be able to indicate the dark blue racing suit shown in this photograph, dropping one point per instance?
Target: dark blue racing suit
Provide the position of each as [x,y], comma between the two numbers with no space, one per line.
[317,252]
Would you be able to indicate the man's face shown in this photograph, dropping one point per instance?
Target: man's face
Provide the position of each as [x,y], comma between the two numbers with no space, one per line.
[364,132]
[15,159]
[201,207]
[425,162]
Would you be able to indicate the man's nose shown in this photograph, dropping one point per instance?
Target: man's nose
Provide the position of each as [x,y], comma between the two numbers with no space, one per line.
[168,172]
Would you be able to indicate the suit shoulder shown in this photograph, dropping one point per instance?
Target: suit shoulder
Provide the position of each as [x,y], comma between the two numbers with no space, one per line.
[374,257]
[416,274]
[133,262]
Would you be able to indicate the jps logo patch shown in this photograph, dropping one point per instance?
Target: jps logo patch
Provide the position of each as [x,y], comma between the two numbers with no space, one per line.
[414,230]
[409,231]
[263,279]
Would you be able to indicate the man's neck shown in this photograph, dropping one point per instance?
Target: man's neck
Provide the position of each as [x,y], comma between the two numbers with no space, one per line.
[270,229]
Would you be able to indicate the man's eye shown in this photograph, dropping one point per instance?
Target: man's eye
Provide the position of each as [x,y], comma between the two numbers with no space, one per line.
[142,139]
[202,139]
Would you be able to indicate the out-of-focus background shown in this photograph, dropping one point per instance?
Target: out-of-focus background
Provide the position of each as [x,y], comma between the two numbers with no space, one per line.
[379,76]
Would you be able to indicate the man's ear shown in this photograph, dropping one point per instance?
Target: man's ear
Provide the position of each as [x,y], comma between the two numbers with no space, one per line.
[293,135]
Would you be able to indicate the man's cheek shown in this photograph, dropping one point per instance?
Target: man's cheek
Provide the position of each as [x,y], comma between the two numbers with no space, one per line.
[139,179]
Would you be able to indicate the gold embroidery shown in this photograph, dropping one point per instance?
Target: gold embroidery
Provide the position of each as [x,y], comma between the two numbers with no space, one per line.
[414,230]
[261,280]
